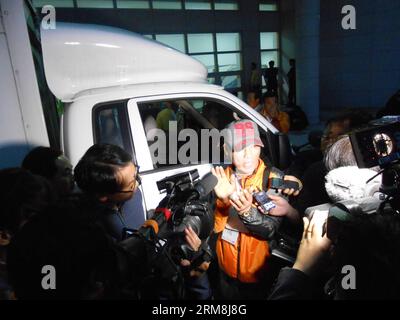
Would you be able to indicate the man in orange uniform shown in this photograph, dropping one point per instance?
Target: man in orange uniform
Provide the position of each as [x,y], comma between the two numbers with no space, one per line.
[243,257]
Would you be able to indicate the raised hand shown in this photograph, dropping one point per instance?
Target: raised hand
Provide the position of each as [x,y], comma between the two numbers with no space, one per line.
[225,187]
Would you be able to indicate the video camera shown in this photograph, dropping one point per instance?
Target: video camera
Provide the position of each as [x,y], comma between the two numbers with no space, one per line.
[154,252]
[377,145]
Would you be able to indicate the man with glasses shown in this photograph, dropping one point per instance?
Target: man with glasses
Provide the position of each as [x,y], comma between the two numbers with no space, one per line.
[108,176]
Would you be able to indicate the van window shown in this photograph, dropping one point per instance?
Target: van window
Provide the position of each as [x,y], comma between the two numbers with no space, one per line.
[170,144]
[111,125]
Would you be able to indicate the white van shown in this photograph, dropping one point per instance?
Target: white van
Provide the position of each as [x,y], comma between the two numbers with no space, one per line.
[114,83]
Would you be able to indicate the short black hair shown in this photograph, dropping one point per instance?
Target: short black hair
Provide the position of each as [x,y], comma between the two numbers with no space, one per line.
[22,195]
[270,94]
[41,161]
[257,93]
[95,173]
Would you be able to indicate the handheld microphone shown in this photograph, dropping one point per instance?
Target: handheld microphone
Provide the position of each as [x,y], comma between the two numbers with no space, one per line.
[206,185]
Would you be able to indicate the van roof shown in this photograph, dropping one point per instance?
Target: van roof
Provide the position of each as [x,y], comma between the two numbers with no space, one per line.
[79,57]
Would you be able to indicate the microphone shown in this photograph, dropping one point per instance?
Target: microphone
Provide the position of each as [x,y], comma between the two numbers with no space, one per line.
[206,185]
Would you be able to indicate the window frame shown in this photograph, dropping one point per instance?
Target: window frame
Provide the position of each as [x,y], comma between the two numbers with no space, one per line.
[124,123]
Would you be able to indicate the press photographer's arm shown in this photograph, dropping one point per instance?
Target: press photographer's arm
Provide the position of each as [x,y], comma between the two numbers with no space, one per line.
[296,282]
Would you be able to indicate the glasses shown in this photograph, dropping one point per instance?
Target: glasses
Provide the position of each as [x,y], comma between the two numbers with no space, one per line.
[137,178]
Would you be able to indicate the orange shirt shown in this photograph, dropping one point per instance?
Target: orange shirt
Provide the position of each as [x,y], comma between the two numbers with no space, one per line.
[281,122]
[247,258]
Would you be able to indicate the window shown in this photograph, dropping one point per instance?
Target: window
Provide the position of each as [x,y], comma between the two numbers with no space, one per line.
[111,125]
[269,45]
[198,5]
[229,62]
[167,4]
[226,5]
[165,119]
[268,6]
[268,40]
[228,42]
[102,4]
[176,41]
[133,4]
[208,60]
[200,42]
[231,82]
[55,3]
[220,53]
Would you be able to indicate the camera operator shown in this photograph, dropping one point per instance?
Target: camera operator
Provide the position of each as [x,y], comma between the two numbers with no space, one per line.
[109,178]
[243,256]
[347,185]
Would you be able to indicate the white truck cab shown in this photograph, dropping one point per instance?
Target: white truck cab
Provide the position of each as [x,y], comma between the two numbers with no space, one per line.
[115,83]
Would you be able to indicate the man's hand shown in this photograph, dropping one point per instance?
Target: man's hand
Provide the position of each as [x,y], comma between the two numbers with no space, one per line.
[194,242]
[283,208]
[192,239]
[292,192]
[313,245]
[224,187]
[243,203]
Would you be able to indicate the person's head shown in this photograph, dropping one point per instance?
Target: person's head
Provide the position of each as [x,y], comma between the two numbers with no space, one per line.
[340,154]
[292,62]
[253,66]
[79,251]
[52,165]
[171,105]
[22,196]
[210,112]
[343,124]
[253,99]
[107,173]
[271,63]
[244,144]
[270,100]
[334,129]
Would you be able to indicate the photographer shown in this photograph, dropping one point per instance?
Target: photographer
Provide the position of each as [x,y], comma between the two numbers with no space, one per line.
[109,178]
[354,227]
[243,256]
[367,243]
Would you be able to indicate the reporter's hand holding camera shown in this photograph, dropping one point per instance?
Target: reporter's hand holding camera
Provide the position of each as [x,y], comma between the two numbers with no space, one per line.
[193,240]
[313,245]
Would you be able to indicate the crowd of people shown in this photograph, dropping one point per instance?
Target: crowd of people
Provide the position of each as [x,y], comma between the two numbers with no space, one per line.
[75,220]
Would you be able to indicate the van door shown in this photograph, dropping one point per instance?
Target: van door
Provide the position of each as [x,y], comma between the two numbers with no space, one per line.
[170,136]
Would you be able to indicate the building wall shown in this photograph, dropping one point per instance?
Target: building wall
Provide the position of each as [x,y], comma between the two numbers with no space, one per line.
[359,68]
[288,33]
[247,20]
